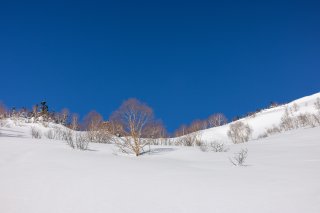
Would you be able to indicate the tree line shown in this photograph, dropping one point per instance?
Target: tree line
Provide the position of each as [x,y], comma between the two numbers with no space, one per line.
[117,124]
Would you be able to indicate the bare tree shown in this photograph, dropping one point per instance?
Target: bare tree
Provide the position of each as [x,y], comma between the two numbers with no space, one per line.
[35,111]
[75,122]
[217,120]
[116,128]
[92,121]
[102,134]
[197,125]
[154,130]
[133,116]
[239,132]
[182,130]
[64,116]
[3,111]
[97,130]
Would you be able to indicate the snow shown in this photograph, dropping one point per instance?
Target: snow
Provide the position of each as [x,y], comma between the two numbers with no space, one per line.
[263,120]
[281,174]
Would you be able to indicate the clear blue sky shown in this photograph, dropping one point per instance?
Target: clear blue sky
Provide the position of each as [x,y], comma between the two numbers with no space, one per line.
[186,59]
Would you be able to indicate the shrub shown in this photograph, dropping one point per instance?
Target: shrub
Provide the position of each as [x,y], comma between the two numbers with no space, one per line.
[214,147]
[263,135]
[50,134]
[295,107]
[303,120]
[100,135]
[287,122]
[315,121]
[273,130]
[239,132]
[3,123]
[204,147]
[58,133]
[239,158]
[82,141]
[68,137]
[218,147]
[317,104]
[192,139]
[36,133]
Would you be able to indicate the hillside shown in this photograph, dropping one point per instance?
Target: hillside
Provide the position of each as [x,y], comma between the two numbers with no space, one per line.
[264,119]
[281,173]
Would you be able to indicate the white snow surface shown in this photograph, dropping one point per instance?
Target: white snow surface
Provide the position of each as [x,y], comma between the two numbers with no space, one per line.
[262,120]
[281,174]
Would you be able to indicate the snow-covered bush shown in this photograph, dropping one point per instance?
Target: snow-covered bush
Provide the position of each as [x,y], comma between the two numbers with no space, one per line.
[58,133]
[68,137]
[166,141]
[239,132]
[101,135]
[295,107]
[3,122]
[36,133]
[239,158]
[273,130]
[214,147]
[82,141]
[303,120]
[50,134]
[192,139]
[263,135]
[287,121]
[315,121]
[317,105]
[218,147]
[76,140]
[204,147]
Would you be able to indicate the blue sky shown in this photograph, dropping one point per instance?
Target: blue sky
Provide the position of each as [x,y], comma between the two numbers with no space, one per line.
[186,59]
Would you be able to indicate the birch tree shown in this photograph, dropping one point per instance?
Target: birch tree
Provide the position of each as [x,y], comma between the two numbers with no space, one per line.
[134,117]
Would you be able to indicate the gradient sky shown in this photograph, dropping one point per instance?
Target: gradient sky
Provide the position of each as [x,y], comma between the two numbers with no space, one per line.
[186,59]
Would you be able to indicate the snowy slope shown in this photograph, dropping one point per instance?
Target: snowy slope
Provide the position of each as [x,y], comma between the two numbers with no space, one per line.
[259,123]
[282,175]
[263,120]
[19,127]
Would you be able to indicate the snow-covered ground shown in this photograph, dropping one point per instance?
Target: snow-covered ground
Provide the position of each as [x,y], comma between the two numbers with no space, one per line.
[282,174]
[264,119]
